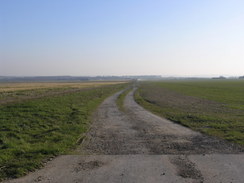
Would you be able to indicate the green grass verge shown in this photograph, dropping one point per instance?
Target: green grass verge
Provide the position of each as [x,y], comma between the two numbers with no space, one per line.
[203,106]
[33,131]
[121,98]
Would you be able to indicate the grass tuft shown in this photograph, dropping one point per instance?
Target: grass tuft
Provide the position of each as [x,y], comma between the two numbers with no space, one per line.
[121,98]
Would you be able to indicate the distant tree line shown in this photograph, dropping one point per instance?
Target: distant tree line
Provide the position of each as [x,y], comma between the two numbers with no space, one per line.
[222,77]
[73,78]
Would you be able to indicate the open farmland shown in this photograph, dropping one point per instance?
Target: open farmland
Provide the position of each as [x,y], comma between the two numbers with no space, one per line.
[124,143]
[42,120]
[7,87]
[215,107]
[14,92]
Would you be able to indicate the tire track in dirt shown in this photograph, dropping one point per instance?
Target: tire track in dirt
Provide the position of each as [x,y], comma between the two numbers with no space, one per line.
[112,133]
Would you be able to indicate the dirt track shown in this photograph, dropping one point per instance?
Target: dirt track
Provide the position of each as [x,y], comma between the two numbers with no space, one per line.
[138,146]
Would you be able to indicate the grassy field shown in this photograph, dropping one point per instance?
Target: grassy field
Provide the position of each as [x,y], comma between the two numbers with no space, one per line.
[215,107]
[34,130]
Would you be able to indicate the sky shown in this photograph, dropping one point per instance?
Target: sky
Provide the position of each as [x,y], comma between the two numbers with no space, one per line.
[121,37]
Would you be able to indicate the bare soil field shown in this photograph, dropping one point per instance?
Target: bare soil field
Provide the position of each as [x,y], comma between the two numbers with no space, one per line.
[138,146]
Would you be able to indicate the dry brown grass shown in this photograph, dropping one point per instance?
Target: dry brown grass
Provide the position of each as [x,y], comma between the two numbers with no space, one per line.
[16,92]
[8,87]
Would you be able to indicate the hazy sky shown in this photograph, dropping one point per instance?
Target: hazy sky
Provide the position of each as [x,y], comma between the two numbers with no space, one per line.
[121,37]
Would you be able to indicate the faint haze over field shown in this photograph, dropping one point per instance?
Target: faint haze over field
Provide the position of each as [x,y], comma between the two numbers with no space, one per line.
[126,37]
